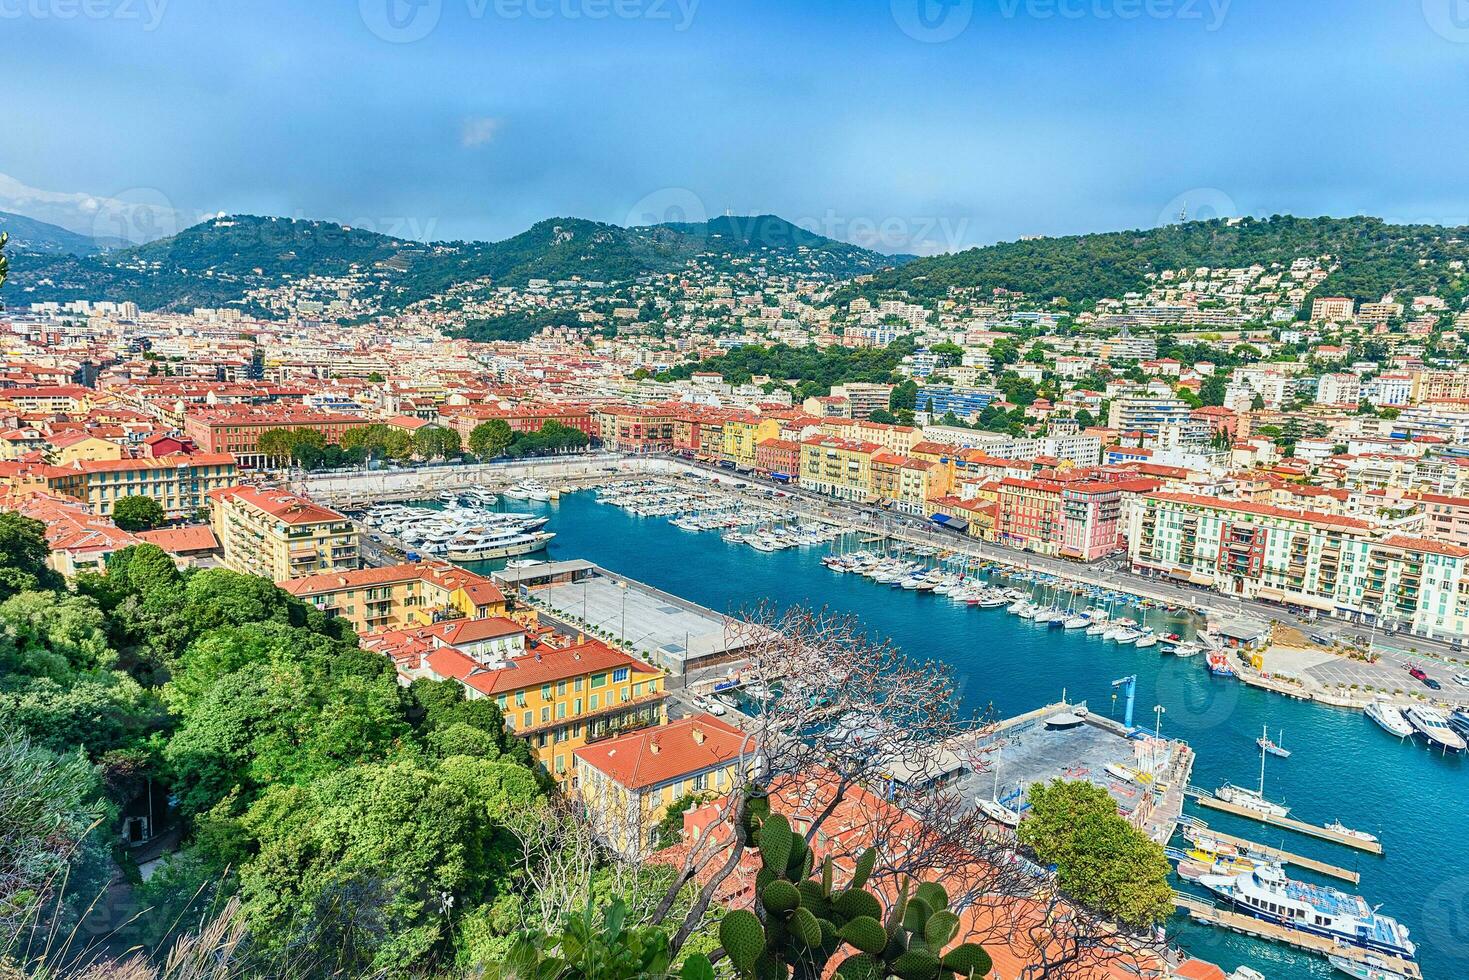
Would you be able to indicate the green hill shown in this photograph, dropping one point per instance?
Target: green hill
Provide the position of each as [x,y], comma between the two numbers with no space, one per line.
[28,234]
[216,262]
[1375,258]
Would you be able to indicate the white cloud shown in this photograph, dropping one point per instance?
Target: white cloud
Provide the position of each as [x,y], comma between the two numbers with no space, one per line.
[478,131]
[136,215]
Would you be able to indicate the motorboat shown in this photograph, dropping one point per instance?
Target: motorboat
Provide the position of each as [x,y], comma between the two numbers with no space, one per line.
[1361,835]
[1266,893]
[1371,968]
[1390,718]
[1429,722]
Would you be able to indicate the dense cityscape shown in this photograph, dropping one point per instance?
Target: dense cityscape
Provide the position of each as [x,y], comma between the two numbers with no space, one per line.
[660,491]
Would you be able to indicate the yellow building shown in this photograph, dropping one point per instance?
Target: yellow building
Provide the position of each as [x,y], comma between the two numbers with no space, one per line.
[743,435]
[75,447]
[180,484]
[627,783]
[279,535]
[374,600]
[840,468]
[557,699]
[907,484]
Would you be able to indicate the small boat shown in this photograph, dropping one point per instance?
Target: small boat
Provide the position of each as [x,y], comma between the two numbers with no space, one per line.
[999,812]
[1371,968]
[1272,745]
[1252,799]
[1389,718]
[1345,831]
[1245,973]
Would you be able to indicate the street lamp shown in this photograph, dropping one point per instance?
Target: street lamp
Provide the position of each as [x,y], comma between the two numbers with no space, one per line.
[1158,712]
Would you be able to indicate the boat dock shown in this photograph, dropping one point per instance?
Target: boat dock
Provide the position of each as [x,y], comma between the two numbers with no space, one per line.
[1206,911]
[1207,799]
[1280,856]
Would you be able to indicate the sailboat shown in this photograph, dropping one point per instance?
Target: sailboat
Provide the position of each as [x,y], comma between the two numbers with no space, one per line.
[993,808]
[1252,799]
[1272,745]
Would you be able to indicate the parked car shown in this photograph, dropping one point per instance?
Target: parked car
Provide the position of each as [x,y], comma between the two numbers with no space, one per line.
[1419,674]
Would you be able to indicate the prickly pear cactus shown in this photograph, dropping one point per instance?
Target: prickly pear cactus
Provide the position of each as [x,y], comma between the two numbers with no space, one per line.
[801,922]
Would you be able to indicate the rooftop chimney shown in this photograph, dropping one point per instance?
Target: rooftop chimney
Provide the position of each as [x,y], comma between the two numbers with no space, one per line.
[698,736]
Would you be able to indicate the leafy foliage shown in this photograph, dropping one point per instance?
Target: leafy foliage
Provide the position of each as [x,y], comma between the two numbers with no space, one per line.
[1375,258]
[801,922]
[1103,862]
[814,371]
[138,513]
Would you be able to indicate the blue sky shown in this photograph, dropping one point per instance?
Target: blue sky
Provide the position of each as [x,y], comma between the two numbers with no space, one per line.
[979,121]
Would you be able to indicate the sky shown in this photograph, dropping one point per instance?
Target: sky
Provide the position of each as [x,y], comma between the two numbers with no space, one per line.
[904,125]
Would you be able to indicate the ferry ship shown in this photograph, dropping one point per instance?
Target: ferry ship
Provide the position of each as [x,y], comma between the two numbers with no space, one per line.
[1266,893]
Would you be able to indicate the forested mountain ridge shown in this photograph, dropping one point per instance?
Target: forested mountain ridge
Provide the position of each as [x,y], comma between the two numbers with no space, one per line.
[1372,258]
[220,261]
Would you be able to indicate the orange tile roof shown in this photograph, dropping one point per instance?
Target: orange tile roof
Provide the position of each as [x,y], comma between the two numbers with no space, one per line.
[279,504]
[193,537]
[651,757]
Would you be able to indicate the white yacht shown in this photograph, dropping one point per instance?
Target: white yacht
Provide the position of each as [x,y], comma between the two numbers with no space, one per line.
[1390,718]
[1429,722]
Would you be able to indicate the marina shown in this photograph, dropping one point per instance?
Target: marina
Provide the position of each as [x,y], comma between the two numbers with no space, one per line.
[996,657]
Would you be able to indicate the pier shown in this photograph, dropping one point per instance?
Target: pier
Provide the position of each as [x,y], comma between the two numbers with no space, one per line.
[1204,798]
[1279,856]
[1203,910]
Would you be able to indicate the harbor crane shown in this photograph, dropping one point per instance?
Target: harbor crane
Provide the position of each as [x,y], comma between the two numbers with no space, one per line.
[1129,685]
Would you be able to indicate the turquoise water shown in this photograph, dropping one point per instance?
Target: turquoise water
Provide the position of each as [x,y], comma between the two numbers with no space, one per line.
[1342,766]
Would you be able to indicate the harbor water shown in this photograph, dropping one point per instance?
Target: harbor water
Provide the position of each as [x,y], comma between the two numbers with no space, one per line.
[1342,767]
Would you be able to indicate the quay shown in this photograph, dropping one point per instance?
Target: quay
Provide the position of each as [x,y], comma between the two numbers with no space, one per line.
[1203,910]
[1280,856]
[1205,798]
[1066,741]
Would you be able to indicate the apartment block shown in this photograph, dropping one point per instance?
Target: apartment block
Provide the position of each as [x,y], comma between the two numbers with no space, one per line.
[397,597]
[279,535]
[180,484]
[628,782]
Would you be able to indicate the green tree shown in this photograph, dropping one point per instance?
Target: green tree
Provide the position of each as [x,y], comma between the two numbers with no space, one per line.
[491,439]
[1102,861]
[883,416]
[138,513]
[1257,403]
[904,396]
[436,442]
[1212,391]
[23,555]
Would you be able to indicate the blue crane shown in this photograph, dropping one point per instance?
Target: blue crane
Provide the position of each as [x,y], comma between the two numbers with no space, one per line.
[1129,684]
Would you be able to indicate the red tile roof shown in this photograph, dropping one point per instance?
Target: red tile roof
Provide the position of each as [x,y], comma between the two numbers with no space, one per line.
[651,757]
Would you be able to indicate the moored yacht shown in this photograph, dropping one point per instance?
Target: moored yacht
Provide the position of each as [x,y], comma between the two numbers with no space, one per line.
[1389,718]
[1429,722]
